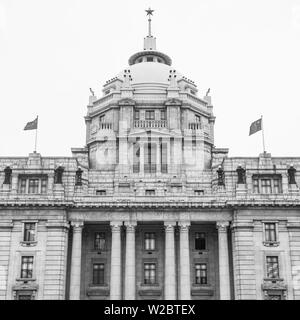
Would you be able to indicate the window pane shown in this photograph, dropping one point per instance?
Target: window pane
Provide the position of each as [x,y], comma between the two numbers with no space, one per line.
[149,273]
[149,241]
[201,273]
[270,231]
[29,231]
[98,273]
[99,241]
[200,241]
[272,267]
[23,185]
[43,185]
[26,267]
[266,186]
[33,186]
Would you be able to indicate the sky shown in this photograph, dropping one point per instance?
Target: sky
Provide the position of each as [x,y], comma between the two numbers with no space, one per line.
[53,51]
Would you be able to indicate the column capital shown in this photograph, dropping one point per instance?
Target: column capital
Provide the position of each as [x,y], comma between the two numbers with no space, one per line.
[115,225]
[184,225]
[130,225]
[222,225]
[77,225]
[169,225]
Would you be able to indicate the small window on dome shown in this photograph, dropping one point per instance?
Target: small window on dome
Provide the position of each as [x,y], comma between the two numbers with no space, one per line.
[159,60]
[193,92]
[149,59]
[107,91]
[140,60]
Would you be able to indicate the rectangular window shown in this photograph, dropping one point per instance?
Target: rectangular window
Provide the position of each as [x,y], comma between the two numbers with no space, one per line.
[98,273]
[149,273]
[266,186]
[101,192]
[136,115]
[277,186]
[200,241]
[29,231]
[272,267]
[149,241]
[200,273]
[23,185]
[101,118]
[164,157]
[99,241]
[27,267]
[149,115]
[44,185]
[33,186]
[149,59]
[270,232]
[199,192]
[162,114]
[197,118]
[150,192]
[255,185]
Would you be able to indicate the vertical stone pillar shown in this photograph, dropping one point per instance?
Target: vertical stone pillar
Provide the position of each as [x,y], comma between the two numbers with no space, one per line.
[184,252]
[130,284]
[142,156]
[170,262]
[76,260]
[158,165]
[223,260]
[115,271]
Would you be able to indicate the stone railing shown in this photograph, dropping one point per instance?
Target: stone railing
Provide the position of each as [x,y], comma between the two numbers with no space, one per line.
[194,125]
[105,126]
[150,123]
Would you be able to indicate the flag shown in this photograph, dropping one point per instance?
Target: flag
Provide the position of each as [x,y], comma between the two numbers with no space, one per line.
[32,125]
[255,126]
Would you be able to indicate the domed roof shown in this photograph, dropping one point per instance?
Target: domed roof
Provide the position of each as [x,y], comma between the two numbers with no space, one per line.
[150,73]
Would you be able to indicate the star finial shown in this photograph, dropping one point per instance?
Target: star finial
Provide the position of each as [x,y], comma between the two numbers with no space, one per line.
[149,14]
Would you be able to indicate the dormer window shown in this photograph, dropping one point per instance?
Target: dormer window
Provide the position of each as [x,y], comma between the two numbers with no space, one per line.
[107,92]
[267,184]
[149,59]
[149,115]
[193,92]
[102,118]
[197,118]
[136,115]
[162,114]
[33,184]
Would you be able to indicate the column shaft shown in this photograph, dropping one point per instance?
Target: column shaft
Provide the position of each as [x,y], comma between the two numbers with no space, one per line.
[130,284]
[115,272]
[170,262]
[184,250]
[223,261]
[76,261]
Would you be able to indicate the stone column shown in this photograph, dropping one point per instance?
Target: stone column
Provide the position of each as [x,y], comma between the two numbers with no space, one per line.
[158,164]
[76,260]
[130,284]
[184,252]
[170,262]
[115,271]
[142,156]
[223,260]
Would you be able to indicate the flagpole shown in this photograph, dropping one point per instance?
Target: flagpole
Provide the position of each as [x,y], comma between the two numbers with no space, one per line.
[263,135]
[36,135]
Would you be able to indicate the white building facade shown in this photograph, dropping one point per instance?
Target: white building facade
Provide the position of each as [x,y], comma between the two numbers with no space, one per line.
[149,208]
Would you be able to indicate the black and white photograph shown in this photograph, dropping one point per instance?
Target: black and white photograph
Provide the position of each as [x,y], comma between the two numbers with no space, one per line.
[149,151]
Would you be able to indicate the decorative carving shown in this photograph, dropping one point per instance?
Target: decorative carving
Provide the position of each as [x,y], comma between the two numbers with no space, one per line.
[77,225]
[291,174]
[221,176]
[58,173]
[78,177]
[241,172]
[115,226]
[222,226]
[7,173]
[184,226]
